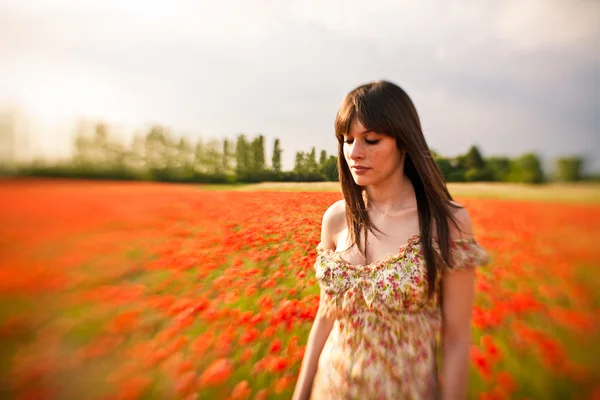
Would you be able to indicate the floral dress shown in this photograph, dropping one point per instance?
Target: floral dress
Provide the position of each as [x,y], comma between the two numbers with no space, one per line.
[384,342]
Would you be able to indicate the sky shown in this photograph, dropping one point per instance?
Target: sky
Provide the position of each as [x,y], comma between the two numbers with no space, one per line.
[508,76]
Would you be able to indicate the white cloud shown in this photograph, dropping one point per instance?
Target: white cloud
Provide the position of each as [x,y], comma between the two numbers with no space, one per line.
[535,24]
[498,70]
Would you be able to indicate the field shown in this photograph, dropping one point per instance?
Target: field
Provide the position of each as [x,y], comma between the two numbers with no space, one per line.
[557,192]
[116,290]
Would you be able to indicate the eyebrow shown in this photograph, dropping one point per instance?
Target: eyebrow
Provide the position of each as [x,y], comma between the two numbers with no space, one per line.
[364,132]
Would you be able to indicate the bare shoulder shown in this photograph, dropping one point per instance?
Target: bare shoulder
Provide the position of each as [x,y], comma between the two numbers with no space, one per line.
[333,222]
[465,225]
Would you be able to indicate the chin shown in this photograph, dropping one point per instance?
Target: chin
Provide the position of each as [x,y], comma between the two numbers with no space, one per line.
[361,180]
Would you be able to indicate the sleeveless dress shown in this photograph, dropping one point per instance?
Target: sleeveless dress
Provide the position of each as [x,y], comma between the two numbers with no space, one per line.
[384,342]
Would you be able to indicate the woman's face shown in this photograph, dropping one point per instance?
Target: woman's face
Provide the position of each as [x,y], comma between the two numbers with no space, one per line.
[376,153]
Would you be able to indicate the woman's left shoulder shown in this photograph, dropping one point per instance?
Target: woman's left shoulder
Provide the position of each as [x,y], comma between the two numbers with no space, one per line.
[463,219]
[466,251]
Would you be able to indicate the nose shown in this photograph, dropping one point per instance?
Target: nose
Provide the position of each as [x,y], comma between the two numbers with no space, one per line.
[356,150]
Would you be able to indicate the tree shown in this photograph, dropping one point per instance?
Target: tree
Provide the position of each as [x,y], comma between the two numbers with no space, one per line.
[526,169]
[242,156]
[136,159]
[498,167]
[261,159]
[154,149]
[82,155]
[199,157]
[101,135]
[329,169]
[568,169]
[299,164]
[473,159]
[445,166]
[227,156]
[214,157]
[474,165]
[322,158]
[185,155]
[276,161]
[311,161]
[258,154]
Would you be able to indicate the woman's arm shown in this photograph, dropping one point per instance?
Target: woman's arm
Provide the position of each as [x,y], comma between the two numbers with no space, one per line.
[458,293]
[322,325]
[316,340]
[456,332]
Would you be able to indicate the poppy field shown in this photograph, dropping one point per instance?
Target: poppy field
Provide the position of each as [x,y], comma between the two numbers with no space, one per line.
[121,290]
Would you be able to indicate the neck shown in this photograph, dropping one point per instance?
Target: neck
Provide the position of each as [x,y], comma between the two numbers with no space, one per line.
[391,194]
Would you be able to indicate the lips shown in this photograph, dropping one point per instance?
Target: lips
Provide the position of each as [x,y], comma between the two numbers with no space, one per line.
[360,170]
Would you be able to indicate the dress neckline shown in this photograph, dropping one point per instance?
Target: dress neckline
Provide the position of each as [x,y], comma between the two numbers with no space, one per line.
[388,257]
[383,260]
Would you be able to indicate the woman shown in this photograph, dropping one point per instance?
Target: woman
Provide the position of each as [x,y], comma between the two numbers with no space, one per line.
[389,250]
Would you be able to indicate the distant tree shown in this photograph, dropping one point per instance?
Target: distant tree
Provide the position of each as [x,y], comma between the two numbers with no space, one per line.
[185,155]
[155,149]
[445,167]
[243,154]
[299,164]
[568,169]
[199,157]
[526,169]
[311,161]
[443,163]
[136,157]
[257,158]
[473,159]
[498,167]
[261,159]
[329,169]
[171,154]
[214,157]
[276,161]
[474,166]
[322,158]
[452,168]
[227,156]
[82,154]
[101,135]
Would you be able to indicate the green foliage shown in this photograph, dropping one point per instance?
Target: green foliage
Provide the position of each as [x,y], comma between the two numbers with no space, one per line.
[243,162]
[276,161]
[227,156]
[568,169]
[322,158]
[444,164]
[329,169]
[299,163]
[526,169]
[159,156]
[306,164]
[473,160]
[311,161]
[498,168]
[257,155]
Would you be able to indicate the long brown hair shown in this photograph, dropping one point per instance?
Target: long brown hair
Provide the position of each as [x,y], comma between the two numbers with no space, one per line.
[385,108]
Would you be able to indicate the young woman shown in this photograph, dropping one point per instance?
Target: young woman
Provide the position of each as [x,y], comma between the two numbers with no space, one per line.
[389,251]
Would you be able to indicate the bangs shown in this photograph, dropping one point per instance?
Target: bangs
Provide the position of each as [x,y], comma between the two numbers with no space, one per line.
[357,104]
[344,118]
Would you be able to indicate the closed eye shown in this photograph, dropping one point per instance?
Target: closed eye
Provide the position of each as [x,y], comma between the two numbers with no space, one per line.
[349,141]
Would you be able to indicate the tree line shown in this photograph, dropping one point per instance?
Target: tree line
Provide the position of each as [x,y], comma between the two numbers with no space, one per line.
[160,156]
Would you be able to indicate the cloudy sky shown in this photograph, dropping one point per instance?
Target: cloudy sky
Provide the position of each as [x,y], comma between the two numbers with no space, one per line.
[510,76]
